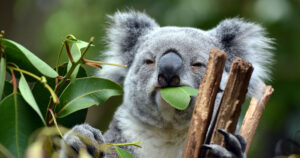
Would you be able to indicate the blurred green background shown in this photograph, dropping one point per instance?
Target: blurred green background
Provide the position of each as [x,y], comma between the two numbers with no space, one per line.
[41,25]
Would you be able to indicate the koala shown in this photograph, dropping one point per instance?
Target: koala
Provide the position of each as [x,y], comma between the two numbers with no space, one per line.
[158,57]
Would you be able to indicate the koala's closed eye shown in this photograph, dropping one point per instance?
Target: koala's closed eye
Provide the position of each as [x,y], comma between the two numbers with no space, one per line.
[197,64]
[149,61]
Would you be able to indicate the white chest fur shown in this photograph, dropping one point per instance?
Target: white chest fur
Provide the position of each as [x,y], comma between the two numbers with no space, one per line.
[155,142]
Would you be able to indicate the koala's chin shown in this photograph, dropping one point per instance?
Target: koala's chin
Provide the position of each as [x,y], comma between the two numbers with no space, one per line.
[166,110]
[173,118]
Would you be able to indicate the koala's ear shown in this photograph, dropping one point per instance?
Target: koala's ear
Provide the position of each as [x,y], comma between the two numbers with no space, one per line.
[123,34]
[248,41]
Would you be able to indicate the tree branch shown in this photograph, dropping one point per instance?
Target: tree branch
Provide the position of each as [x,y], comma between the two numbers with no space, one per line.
[253,115]
[232,100]
[204,104]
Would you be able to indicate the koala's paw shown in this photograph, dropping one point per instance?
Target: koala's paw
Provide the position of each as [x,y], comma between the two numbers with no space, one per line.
[235,146]
[82,137]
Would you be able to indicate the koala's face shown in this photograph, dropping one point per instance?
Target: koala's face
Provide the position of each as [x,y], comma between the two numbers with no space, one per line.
[159,57]
[166,57]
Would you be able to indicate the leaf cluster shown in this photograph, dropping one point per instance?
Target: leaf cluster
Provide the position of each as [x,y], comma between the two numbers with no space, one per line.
[36,98]
[33,95]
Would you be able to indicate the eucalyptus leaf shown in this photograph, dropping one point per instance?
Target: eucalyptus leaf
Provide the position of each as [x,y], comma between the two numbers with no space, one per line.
[42,97]
[191,91]
[81,44]
[28,96]
[178,97]
[85,92]
[18,121]
[76,46]
[73,119]
[26,60]
[123,153]
[2,75]
[8,89]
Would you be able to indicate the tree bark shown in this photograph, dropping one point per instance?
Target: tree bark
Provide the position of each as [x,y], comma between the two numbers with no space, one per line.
[253,115]
[204,104]
[232,100]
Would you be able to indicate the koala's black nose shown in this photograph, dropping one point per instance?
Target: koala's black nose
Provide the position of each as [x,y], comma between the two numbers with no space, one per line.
[169,65]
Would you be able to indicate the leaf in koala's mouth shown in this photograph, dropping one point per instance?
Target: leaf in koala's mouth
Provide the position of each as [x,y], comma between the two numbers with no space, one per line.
[178,97]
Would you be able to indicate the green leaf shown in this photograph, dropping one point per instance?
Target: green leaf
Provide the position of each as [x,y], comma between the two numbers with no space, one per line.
[8,89]
[28,97]
[81,44]
[18,121]
[2,75]
[26,60]
[178,97]
[42,97]
[85,92]
[123,153]
[73,119]
[191,91]
[75,71]
[76,46]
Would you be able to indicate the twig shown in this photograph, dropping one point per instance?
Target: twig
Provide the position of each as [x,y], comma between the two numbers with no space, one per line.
[204,104]
[58,130]
[52,105]
[253,115]
[69,52]
[233,97]
[5,152]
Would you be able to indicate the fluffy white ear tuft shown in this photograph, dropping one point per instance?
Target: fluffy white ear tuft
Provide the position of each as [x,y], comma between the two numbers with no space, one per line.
[126,28]
[248,41]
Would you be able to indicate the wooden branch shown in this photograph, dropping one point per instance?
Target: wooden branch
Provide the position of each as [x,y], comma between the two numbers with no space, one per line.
[253,115]
[233,97]
[204,104]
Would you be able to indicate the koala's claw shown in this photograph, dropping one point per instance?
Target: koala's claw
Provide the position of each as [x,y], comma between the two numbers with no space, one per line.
[235,146]
[81,136]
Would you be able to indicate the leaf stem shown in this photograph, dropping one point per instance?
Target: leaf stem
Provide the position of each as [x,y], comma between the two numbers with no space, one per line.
[53,94]
[25,72]
[53,117]
[41,79]
[74,64]
[69,52]
[5,152]
[15,86]
[16,109]
[103,63]
[67,76]
[88,46]
[59,56]
[124,144]
[1,49]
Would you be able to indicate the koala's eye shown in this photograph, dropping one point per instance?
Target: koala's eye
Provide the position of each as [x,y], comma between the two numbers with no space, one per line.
[149,61]
[197,64]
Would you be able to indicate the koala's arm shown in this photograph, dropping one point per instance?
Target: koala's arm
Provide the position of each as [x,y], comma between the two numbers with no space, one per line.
[89,138]
[235,146]
[81,136]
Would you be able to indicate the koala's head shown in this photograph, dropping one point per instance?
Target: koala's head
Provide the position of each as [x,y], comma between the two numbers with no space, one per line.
[158,57]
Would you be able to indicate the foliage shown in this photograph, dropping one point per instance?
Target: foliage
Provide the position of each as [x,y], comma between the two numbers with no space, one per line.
[37,94]
[178,97]
[43,23]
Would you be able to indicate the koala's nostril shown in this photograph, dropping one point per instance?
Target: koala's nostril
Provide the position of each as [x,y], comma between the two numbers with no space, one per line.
[162,81]
[175,81]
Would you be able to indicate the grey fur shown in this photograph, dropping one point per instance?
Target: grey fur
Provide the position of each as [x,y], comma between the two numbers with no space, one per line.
[134,38]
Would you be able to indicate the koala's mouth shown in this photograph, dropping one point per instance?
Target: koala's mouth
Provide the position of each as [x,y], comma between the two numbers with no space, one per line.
[167,111]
